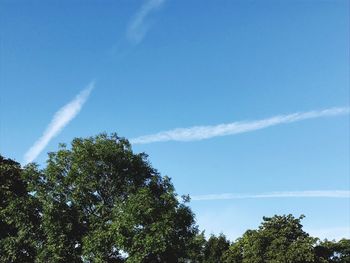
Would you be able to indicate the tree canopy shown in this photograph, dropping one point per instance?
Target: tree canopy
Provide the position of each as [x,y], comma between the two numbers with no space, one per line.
[282,239]
[98,201]
[19,215]
[278,239]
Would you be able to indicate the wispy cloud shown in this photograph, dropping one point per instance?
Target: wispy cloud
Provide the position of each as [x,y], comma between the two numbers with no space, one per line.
[138,27]
[290,194]
[205,132]
[61,118]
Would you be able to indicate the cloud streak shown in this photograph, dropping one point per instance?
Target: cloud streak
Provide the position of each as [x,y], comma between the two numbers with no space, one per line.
[197,133]
[290,194]
[138,27]
[61,118]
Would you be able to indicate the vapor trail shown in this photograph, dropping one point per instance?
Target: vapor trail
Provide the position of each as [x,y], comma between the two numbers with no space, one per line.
[137,28]
[205,132]
[293,194]
[61,118]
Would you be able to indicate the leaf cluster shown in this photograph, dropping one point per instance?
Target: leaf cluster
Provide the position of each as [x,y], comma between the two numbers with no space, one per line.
[94,202]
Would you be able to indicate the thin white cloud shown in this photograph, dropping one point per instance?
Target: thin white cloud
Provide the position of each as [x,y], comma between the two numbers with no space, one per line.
[205,132]
[138,27]
[290,194]
[61,118]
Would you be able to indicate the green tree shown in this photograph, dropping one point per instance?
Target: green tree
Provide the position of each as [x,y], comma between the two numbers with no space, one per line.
[332,251]
[103,203]
[97,201]
[19,215]
[278,239]
[215,248]
[196,248]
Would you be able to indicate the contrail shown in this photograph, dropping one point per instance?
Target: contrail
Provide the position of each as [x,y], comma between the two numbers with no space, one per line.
[293,194]
[137,28]
[61,118]
[197,133]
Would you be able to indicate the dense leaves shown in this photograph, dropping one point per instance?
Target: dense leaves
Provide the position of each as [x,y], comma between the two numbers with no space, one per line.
[19,215]
[97,201]
[282,239]
[214,249]
[278,239]
[328,251]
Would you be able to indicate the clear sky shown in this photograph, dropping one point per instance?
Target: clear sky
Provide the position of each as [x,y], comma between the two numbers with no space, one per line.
[158,65]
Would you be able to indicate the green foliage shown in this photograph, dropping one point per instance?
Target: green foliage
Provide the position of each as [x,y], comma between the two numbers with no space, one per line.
[214,249]
[99,202]
[330,251]
[152,226]
[195,248]
[19,215]
[278,239]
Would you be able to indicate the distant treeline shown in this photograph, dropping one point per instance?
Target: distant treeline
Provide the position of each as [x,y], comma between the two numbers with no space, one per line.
[97,201]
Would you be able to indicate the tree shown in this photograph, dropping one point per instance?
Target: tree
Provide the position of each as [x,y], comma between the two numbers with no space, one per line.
[214,249]
[19,215]
[278,239]
[97,201]
[196,248]
[332,251]
[103,203]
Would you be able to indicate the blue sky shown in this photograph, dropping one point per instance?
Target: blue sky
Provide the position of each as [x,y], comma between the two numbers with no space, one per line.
[158,65]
